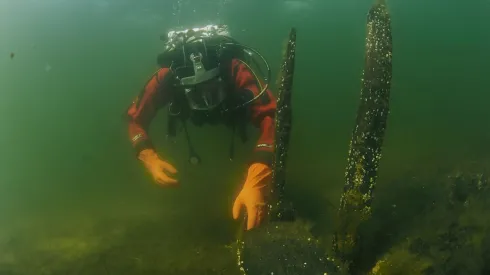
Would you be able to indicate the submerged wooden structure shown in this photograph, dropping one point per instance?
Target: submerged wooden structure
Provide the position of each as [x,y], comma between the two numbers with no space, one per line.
[368,134]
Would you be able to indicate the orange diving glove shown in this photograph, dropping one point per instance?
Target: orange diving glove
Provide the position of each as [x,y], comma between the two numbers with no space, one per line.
[253,195]
[157,167]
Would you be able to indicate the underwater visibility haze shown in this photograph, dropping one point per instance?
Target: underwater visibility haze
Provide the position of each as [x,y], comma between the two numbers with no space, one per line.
[75,199]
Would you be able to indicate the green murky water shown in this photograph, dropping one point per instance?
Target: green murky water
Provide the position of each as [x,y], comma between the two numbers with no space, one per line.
[74,199]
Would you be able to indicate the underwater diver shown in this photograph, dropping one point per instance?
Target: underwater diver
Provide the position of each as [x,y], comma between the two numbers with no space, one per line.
[206,77]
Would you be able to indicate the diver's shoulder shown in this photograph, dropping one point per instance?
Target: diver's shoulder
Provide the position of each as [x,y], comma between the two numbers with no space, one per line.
[162,73]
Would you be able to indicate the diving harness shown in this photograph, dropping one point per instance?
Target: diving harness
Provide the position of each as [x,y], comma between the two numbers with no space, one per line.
[215,43]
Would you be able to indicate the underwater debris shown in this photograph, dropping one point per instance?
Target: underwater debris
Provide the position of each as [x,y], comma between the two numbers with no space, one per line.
[249,241]
[283,245]
[367,137]
[452,237]
[278,210]
[282,248]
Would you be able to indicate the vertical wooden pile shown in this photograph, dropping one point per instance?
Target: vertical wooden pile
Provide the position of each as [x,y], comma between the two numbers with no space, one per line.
[367,137]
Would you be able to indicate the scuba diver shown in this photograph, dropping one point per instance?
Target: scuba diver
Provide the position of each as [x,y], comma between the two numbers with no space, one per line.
[206,77]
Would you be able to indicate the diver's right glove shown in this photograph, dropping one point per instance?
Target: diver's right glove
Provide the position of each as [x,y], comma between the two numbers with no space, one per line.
[253,195]
[158,168]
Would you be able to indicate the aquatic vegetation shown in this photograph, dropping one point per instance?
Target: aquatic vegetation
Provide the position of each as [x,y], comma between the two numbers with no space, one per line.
[448,236]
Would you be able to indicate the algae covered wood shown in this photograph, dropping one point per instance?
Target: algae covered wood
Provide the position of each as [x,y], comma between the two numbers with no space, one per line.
[278,210]
[367,137]
[283,245]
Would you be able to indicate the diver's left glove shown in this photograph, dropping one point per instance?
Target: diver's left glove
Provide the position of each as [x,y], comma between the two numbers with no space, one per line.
[253,195]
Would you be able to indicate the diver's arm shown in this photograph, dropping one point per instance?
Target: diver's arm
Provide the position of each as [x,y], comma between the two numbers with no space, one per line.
[143,109]
[141,112]
[257,184]
[262,111]
[264,148]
